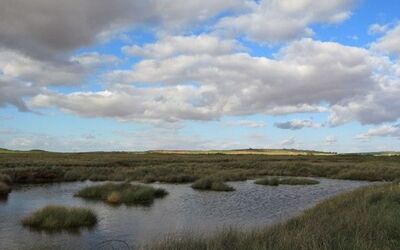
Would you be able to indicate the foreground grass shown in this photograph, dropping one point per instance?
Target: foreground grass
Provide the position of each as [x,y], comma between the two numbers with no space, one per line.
[122,193]
[59,217]
[275,181]
[211,184]
[368,219]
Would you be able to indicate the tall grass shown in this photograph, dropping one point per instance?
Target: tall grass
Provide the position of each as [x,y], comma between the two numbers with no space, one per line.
[122,193]
[367,219]
[212,184]
[59,217]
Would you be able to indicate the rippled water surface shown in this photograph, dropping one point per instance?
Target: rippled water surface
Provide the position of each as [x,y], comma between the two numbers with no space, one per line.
[184,209]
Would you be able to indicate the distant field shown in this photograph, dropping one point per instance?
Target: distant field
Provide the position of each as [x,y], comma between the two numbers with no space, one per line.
[246,151]
[188,166]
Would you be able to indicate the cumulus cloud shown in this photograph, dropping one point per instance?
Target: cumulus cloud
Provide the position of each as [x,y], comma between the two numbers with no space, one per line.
[184,45]
[280,20]
[12,92]
[15,65]
[297,124]
[389,42]
[48,29]
[381,131]
[22,76]
[377,28]
[206,87]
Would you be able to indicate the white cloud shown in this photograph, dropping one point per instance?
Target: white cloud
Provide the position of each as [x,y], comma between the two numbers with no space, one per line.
[381,131]
[206,87]
[94,59]
[389,42]
[377,28]
[281,20]
[184,45]
[297,124]
[49,29]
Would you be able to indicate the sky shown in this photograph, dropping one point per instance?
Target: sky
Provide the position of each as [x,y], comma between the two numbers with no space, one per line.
[132,75]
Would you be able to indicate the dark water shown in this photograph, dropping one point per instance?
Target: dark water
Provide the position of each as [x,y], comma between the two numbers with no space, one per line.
[182,210]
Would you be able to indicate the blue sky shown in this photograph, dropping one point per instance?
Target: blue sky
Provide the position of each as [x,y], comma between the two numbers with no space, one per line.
[212,74]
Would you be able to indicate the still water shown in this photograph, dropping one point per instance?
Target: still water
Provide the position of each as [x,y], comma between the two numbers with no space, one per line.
[184,209]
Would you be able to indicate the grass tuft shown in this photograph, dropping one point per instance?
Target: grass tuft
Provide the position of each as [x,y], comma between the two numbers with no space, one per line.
[275,181]
[59,218]
[122,193]
[212,184]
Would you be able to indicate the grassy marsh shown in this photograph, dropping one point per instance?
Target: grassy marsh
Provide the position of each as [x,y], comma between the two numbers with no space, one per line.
[275,181]
[59,218]
[368,219]
[122,193]
[40,167]
[211,184]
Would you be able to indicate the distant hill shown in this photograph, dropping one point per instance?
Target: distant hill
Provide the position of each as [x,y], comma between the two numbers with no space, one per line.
[4,150]
[246,151]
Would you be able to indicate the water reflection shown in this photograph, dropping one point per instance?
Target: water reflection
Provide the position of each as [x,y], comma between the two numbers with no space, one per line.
[184,209]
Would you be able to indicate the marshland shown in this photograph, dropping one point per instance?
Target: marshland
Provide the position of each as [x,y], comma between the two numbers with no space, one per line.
[153,200]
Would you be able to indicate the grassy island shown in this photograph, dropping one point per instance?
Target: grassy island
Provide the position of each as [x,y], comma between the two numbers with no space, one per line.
[122,193]
[60,218]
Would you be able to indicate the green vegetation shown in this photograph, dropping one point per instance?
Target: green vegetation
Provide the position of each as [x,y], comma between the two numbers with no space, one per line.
[5,179]
[5,182]
[275,181]
[59,217]
[368,219]
[212,184]
[40,167]
[4,190]
[122,193]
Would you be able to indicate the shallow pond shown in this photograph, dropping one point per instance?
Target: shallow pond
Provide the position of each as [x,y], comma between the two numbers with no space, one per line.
[184,209]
